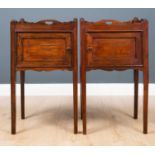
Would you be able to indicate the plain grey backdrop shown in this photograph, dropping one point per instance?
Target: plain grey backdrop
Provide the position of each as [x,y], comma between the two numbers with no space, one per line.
[6,15]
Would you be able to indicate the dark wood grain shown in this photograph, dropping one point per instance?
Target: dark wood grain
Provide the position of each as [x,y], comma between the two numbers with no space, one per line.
[114,45]
[42,46]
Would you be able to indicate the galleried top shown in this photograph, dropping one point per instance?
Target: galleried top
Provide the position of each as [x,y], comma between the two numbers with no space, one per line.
[135,20]
[43,22]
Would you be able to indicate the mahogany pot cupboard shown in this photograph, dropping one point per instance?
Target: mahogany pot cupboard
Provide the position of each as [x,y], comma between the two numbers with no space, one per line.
[115,45]
[105,45]
[46,45]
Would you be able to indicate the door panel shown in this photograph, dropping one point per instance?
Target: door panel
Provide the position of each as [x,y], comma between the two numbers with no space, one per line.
[115,49]
[44,49]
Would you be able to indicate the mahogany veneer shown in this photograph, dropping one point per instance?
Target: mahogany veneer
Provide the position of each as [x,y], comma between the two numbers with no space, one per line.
[42,46]
[115,45]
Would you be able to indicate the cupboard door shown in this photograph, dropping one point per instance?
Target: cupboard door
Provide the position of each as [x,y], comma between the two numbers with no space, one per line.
[114,49]
[44,50]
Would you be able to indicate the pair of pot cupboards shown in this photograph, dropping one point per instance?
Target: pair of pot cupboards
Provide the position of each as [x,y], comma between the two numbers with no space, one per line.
[106,45]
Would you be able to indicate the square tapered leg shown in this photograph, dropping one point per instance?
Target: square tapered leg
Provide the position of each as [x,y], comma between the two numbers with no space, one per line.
[135,94]
[83,102]
[13,102]
[75,100]
[145,104]
[22,81]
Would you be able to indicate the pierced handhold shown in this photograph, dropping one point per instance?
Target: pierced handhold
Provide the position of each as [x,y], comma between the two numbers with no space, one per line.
[48,21]
[108,22]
